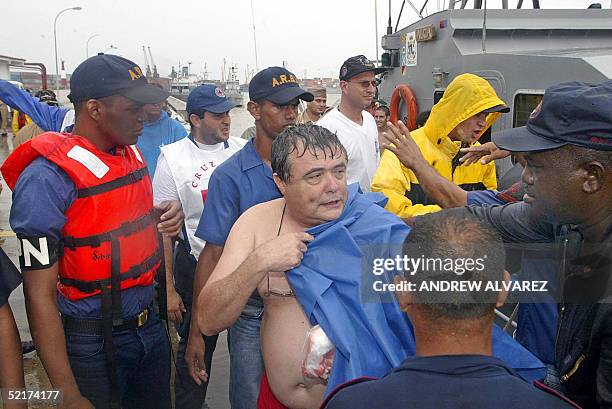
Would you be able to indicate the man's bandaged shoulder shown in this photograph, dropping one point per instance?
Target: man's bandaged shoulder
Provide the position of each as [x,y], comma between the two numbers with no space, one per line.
[37,252]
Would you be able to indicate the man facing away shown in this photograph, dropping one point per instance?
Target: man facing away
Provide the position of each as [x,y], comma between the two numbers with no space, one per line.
[239,183]
[467,109]
[354,126]
[183,172]
[453,366]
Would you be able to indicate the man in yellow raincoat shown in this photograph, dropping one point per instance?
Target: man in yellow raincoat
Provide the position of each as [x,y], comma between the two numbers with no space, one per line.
[468,108]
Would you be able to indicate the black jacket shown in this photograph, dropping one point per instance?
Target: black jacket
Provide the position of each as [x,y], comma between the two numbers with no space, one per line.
[583,348]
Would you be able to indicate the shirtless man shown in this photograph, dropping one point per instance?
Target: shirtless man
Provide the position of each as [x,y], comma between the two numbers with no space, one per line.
[269,239]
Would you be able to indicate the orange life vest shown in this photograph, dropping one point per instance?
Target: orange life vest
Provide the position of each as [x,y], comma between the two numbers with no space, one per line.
[110,225]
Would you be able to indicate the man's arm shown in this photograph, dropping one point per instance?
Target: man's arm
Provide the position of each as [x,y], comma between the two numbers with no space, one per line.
[221,210]
[241,268]
[393,182]
[194,353]
[48,117]
[11,364]
[47,332]
[164,189]
[515,222]
[440,190]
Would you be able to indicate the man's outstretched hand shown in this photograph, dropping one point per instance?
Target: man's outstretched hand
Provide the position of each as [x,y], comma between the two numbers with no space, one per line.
[486,153]
[400,142]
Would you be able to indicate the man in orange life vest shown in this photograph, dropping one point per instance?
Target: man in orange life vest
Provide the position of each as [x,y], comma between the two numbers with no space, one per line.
[83,210]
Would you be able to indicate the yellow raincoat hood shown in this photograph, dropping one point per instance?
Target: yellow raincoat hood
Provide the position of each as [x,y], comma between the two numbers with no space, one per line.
[466,96]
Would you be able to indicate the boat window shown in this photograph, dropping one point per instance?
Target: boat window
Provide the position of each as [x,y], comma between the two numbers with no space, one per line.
[524,104]
[438,94]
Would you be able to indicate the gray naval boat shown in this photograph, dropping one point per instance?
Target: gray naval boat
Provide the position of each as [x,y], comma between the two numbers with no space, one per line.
[519,51]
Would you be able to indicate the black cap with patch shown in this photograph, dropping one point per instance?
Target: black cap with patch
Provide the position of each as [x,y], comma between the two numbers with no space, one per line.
[572,113]
[357,65]
[104,75]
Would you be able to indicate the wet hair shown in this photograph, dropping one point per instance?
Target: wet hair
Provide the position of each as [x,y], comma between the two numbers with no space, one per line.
[301,138]
[422,118]
[454,236]
[384,108]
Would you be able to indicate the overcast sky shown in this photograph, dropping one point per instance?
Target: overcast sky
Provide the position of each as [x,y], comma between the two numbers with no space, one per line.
[313,36]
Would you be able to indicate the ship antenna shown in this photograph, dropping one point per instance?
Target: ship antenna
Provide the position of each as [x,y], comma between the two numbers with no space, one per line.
[389,26]
[376,27]
[484,29]
[254,36]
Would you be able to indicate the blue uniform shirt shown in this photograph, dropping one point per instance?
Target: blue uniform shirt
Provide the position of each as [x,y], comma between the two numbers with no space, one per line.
[41,197]
[239,183]
[162,132]
[481,197]
[445,381]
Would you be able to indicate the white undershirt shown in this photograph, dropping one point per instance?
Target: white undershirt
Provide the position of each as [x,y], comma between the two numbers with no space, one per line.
[360,142]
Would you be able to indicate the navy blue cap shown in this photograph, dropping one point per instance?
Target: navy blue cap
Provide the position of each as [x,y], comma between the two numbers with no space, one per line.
[208,98]
[572,113]
[104,75]
[357,65]
[277,85]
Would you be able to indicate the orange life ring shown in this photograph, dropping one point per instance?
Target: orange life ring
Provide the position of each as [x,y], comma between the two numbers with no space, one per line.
[404,92]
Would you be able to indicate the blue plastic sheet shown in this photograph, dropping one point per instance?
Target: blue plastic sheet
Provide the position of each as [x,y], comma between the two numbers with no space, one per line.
[371,336]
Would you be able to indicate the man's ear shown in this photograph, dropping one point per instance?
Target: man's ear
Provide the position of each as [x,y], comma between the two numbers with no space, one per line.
[503,294]
[93,108]
[195,120]
[594,174]
[282,186]
[254,109]
[403,297]
[343,86]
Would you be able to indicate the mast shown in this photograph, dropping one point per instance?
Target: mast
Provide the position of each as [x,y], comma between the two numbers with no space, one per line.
[254,36]
[376,27]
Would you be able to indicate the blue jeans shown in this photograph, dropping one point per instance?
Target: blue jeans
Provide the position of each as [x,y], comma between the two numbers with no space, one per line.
[246,362]
[142,362]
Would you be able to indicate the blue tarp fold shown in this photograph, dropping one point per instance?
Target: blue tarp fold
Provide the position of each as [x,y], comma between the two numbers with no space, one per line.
[333,285]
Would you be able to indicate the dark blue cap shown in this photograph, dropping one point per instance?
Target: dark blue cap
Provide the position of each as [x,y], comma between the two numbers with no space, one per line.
[572,113]
[277,85]
[104,75]
[208,98]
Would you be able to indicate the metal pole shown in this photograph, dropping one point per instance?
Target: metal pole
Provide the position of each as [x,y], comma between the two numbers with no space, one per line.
[376,26]
[87,44]
[416,10]
[389,26]
[484,29]
[55,42]
[254,36]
